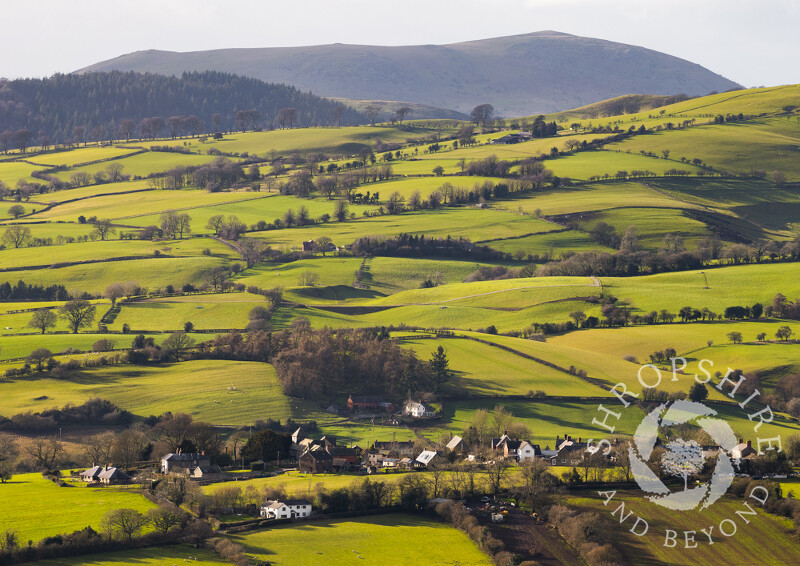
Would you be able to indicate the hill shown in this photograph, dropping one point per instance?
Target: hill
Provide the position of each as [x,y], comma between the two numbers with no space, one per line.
[538,72]
[99,103]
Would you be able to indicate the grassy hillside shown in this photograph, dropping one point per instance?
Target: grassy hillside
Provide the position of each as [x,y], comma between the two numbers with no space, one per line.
[343,542]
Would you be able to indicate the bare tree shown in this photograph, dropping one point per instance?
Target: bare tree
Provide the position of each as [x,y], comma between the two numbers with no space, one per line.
[126,522]
[98,448]
[174,429]
[372,112]
[287,117]
[45,452]
[402,112]
[126,128]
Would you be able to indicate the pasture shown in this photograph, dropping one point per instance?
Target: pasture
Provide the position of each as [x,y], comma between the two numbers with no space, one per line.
[95,277]
[149,556]
[77,156]
[586,164]
[473,223]
[60,509]
[142,164]
[339,542]
[205,312]
[220,392]
[767,144]
[479,369]
[728,286]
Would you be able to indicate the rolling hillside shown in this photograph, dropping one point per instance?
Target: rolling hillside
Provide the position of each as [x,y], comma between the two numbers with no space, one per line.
[524,74]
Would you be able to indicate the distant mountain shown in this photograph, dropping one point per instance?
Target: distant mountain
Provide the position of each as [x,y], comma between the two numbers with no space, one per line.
[98,103]
[519,75]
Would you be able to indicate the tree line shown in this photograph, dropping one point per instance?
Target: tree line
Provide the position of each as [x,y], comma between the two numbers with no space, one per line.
[76,108]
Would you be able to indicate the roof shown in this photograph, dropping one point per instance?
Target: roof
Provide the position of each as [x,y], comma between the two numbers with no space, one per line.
[188,457]
[288,502]
[209,469]
[92,472]
[426,457]
[113,474]
[318,455]
[454,442]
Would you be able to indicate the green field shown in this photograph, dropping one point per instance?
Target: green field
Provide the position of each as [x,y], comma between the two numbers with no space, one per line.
[767,144]
[596,196]
[584,165]
[142,164]
[100,250]
[133,206]
[150,556]
[205,312]
[36,508]
[230,393]
[73,157]
[483,370]
[95,277]
[733,285]
[365,540]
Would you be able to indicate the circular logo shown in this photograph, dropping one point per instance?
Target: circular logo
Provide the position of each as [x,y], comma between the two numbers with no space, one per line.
[682,458]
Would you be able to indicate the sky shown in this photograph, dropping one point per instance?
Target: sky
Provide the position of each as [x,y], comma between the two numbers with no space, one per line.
[752,42]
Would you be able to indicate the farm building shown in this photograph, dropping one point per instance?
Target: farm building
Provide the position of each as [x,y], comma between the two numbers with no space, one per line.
[207,473]
[457,444]
[180,462]
[426,458]
[287,509]
[105,474]
[315,462]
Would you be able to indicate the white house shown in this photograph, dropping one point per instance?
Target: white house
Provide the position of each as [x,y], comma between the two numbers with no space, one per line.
[418,410]
[527,452]
[287,509]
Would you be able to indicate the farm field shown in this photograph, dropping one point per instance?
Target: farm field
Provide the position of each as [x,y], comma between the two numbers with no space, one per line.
[472,223]
[747,546]
[68,508]
[129,206]
[483,370]
[600,163]
[367,539]
[95,277]
[15,346]
[224,393]
[767,144]
[102,250]
[652,225]
[551,244]
[251,208]
[591,197]
[686,338]
[142,164]
[13,171]
[71,158]
[150,556]
[427,185]
[205,312]
[92,191]
[728,286]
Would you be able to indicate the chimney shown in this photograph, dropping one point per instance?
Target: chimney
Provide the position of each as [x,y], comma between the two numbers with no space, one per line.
[569,438]
[579,440]
[749,443]
[741,441]
[505,433]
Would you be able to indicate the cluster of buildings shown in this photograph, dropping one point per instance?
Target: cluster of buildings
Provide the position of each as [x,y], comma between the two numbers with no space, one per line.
[193,464]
